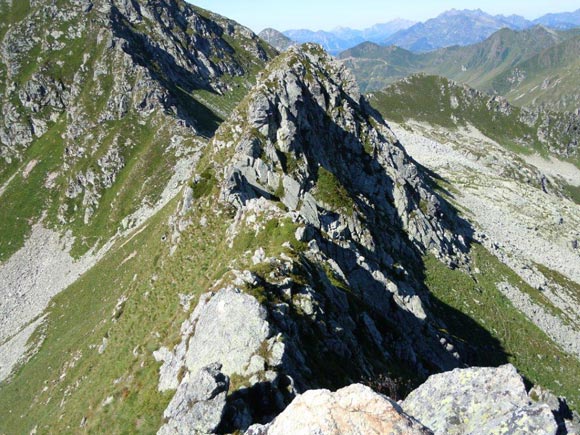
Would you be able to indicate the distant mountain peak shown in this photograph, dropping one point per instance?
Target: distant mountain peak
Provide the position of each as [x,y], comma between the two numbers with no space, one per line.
[276,39]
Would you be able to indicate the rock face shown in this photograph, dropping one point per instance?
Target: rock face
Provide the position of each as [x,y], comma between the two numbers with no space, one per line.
[199,403]
[307,137]
[230,320]
[479,401]
[307,130]
[229,327]
[352,410]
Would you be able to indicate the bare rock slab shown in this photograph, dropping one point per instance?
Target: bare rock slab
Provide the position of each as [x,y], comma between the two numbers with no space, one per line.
[479,401]
[355,409]
[198,404]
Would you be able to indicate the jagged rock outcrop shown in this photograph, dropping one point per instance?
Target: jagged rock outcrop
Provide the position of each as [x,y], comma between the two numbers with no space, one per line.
[479,401]
[302,95]
[352,410]
[228,326]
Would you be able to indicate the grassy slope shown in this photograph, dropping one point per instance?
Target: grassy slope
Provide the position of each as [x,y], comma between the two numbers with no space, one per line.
[81,316]
[429,99]
[26,198]
[68,380]
[142,270]
[479,64]
[550,77]
[527,347]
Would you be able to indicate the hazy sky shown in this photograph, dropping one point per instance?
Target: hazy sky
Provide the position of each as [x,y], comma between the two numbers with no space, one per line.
[327,14]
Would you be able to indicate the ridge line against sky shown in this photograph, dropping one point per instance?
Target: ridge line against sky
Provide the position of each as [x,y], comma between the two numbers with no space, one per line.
[327,15]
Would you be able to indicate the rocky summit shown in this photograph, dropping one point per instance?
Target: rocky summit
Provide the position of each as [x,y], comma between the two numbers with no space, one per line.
[203,235]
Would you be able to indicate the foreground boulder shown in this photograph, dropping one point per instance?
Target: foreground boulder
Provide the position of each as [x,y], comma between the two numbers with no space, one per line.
[475,401]
[198,405]
[479,401]
[352,410]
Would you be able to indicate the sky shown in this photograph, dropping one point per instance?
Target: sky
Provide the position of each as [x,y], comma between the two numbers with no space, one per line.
[358,14]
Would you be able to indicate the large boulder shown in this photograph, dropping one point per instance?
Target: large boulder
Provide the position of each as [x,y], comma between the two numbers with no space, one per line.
[198,404]
[230,329]
[352,410]
[479,401]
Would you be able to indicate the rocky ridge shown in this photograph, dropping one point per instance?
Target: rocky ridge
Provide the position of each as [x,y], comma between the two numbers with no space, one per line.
[518,129]
[276,39]
[303,138]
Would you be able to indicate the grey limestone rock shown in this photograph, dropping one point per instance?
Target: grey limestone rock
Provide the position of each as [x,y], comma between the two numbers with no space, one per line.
[341,175]
[352,410]
[479,401]
[198,404]
[230,329]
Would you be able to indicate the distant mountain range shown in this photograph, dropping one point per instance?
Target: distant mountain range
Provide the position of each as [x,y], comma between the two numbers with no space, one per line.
[342,38]
[566,20]
[454,27]
[525,66]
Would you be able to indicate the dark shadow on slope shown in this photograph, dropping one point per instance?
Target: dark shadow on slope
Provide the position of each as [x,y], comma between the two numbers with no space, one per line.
[260,403]
[322,143]
[434,179]
[474,343]
[169,74]
[318,357]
